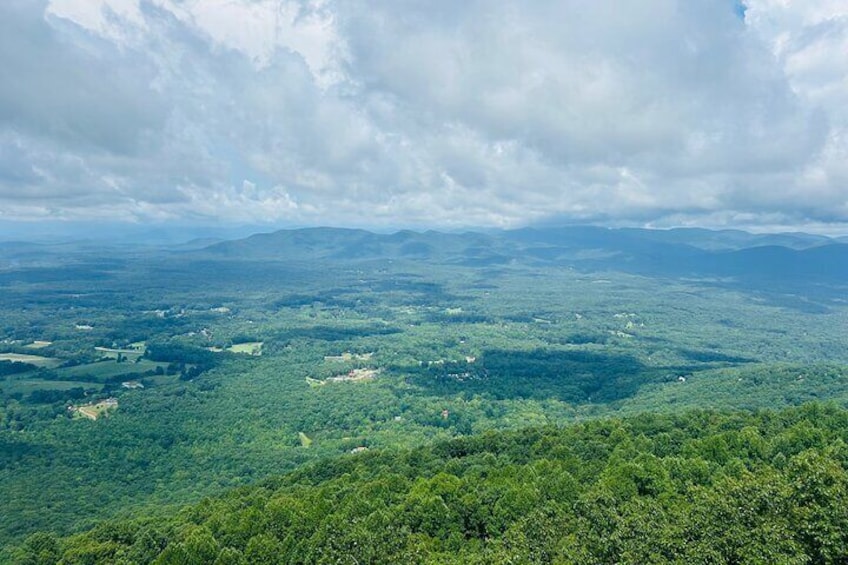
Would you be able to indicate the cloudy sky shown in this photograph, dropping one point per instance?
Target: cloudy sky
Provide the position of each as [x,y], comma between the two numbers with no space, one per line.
[438,113]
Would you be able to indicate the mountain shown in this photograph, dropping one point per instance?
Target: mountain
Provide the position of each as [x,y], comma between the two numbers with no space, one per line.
[826,262]
[673,253]
[731,240]
[337,244]
[197,243]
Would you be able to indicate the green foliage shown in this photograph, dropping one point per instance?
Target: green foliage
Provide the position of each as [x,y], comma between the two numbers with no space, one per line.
[39,549]
[15,367]
[614,491]
[465,338]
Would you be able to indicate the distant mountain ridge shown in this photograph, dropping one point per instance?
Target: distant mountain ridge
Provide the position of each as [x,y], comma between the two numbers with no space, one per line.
[351,244]
[675,252]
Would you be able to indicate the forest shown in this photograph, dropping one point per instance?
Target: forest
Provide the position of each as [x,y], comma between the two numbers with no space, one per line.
[697,487]
[297,393]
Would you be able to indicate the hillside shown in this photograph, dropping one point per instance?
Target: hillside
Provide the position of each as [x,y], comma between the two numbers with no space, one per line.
[699,487]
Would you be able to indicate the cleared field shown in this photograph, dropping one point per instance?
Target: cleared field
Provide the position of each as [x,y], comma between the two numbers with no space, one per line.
[160,379]
[26,386]
[305,441]
[36,360]
[95,411]
[130,354]
[250,348]
[103,370]
[38,344]
[353,376]
[356,375]
[348,356]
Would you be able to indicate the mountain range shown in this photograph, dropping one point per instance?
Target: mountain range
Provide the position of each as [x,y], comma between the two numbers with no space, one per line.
[703,253]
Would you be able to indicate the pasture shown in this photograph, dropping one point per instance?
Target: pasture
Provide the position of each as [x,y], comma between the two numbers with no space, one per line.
[249,348]
[27,386]
[102,371]
[37,360]
[111,353]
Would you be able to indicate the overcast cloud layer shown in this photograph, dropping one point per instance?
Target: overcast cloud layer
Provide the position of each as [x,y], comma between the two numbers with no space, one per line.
[437,113]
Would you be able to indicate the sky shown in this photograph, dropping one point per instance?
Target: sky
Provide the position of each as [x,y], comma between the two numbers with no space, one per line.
[436,114]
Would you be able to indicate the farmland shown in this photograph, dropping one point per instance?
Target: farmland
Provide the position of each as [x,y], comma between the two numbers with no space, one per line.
[249,348]
[103,371]
[35,360]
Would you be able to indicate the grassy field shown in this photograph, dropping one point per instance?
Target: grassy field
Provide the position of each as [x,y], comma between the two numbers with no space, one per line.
[26,386]
[36,360]
[95,411]
[250,348]
[305,441]
[130,354]
[347,357]
[103,370]
[92,375]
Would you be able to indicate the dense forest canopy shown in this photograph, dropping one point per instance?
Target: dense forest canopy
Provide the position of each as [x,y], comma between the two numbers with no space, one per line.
[698,487]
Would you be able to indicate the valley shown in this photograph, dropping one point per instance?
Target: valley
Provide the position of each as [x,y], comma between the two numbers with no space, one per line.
[229,364]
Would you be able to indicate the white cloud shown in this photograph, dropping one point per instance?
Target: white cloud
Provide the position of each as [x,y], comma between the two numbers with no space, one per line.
[437,113]
[810,42]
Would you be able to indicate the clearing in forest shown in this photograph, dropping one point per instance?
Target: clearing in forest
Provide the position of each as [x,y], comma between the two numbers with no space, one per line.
[352,376]
[305,441]
[36,360]
[113,353]
[104,370]
[249,347]
[356,375]
[96,410]
[348,356]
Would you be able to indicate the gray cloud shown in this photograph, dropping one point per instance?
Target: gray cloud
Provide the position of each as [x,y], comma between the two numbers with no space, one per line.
[437,113]
[70,90]
[675,87]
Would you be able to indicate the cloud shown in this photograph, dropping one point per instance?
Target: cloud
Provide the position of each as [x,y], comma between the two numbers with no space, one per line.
[810,42]
[412,114]
[71,94]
